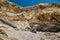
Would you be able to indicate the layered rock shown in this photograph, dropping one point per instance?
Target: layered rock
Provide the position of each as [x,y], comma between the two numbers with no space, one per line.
[17,21]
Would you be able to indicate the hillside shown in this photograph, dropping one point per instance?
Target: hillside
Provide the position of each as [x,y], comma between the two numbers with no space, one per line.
[16,22]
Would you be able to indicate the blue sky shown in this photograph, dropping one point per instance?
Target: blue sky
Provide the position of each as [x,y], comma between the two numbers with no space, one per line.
[25,3]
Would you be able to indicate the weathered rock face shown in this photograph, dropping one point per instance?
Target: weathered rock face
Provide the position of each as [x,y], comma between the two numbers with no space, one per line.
[22,17]
[16,21]
[9,33]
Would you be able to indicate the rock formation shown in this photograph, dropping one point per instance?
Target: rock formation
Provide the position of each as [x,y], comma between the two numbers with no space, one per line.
[15,21]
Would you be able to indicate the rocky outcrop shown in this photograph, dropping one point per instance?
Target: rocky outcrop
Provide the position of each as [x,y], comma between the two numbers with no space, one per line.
[15,22]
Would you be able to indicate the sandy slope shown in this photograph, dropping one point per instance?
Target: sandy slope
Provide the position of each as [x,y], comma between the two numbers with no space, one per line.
[26,35]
